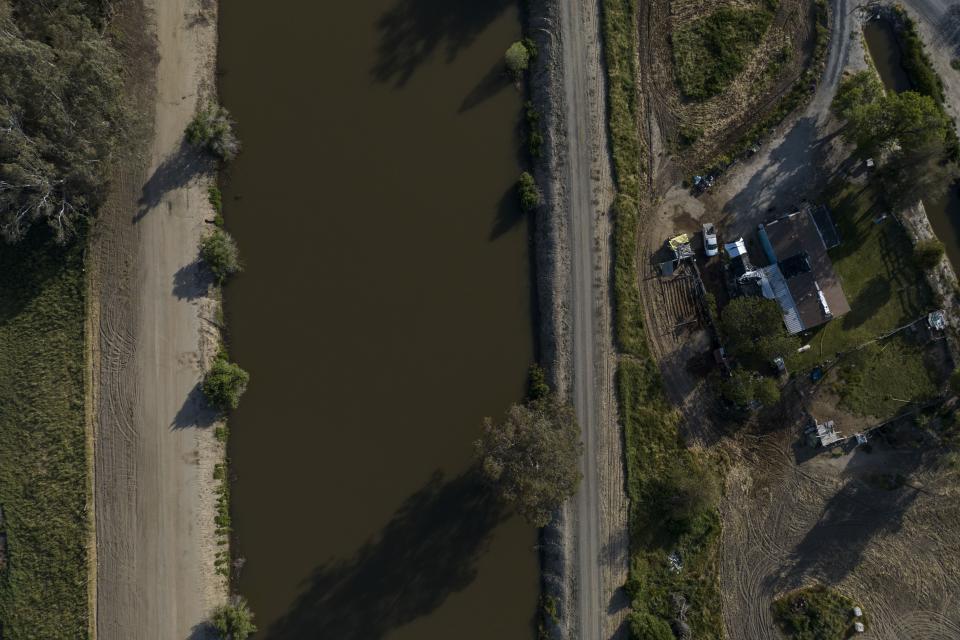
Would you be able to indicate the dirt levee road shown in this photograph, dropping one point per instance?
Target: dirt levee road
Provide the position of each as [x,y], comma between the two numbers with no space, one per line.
[599,515]
[154,503]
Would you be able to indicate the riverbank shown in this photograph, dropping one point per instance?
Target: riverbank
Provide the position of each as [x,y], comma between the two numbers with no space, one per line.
[154,324]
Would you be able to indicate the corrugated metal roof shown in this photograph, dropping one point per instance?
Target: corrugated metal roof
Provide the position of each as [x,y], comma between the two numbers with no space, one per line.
[791,315]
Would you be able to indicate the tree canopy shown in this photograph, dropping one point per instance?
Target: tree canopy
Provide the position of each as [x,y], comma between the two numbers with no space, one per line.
[233,621]
[224,383]
[754,327]
[219,251]
[878,121]
[61,114]
[532,457]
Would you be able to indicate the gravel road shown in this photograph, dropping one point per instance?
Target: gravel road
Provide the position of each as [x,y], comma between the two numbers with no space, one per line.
[153,467]
[600,524]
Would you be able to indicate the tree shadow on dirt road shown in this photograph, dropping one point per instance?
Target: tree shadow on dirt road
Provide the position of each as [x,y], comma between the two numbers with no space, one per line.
[412,30]
[176,171]
[428,551]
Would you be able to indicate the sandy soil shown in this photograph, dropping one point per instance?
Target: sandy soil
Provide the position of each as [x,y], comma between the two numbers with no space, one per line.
[155,503]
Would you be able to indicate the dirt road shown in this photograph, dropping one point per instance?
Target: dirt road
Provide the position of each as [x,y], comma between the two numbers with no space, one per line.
[155,505]
[600,527]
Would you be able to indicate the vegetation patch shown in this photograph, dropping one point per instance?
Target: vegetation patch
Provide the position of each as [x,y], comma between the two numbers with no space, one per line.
[620,49]
[881,279]
[61,114]
[234,620]
[219,251]
[212,129]
[528,192]
[43,464]
[674,523]
[660,593]
[711,51]
[798,94]
[815,613]
[224,383]
[884,378]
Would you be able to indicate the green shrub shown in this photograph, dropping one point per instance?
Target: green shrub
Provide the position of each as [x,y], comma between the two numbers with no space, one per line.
[224,383]
[710,52]
[815,613]
[534,135]
[927,253]
[755,330]
[233,621]
[215,198]
[517,59]
[212,129]
[644,626]
[537,387]
[955,63]
[219,251]
[530,197]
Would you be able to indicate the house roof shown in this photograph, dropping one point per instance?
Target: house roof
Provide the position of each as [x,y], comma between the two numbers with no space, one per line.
[797,244]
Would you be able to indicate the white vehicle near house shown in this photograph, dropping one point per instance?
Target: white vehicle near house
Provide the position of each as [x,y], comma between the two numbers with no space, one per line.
[710,246]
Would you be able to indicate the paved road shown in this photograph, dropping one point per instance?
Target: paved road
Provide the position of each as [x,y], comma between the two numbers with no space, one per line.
[599,531]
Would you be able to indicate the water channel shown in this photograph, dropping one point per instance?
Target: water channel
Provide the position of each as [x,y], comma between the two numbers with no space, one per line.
[942,207]
[385,309]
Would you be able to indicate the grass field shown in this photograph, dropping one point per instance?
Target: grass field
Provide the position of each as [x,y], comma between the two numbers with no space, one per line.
[43,474]
[709,52]
[653,449]
[885,378]
[875,263]
[815,613]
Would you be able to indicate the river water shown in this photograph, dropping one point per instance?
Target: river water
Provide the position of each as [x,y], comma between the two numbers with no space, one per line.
[942,207]
[385,309]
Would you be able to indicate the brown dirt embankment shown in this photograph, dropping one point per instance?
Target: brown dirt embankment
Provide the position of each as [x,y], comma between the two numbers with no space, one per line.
[151,336]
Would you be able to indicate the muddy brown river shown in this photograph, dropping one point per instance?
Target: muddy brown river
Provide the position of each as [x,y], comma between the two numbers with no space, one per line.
[385,308]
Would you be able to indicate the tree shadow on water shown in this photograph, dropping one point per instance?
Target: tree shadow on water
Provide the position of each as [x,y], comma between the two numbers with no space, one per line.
[495,81]
[509,215]
[428,551]
[412,30]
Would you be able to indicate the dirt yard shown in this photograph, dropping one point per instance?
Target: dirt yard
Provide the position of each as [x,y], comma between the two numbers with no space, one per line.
[791,519]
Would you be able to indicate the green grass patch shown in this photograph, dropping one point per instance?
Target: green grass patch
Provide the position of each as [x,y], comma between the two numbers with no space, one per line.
[620,48]
[875,261]
[654,451]
[711,51]
[43,464]
[885,378]
[815,613]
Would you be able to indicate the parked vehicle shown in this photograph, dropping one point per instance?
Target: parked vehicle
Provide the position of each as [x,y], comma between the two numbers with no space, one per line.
[710,246]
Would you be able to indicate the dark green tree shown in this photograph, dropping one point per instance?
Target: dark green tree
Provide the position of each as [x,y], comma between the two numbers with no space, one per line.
[927,253]
[224,383]
[530,196]
[219,251]
[755,330]
[532,457]
[684,495]
[644,626]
